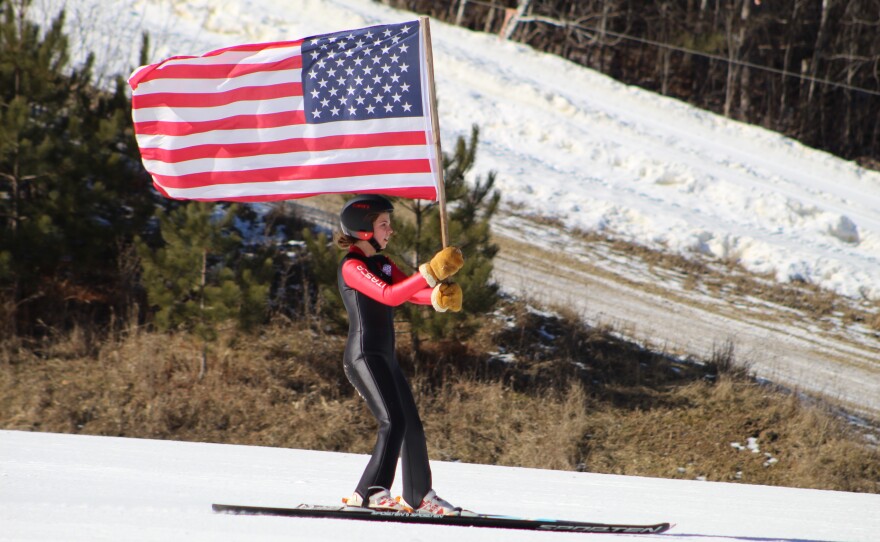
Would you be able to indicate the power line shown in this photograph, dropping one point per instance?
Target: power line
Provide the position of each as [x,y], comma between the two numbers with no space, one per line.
[733,61]
[719,58]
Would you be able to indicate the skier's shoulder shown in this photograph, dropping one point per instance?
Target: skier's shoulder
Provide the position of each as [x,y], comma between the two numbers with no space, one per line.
[355,263]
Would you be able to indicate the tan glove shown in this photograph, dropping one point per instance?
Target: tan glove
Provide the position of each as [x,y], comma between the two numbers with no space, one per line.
[443,265]
[446,297]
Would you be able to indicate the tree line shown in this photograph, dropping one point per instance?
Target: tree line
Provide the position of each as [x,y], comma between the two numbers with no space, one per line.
[807,69]
[87,243]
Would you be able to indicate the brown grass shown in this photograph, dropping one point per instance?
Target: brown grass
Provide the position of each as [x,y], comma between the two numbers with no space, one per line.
[796,446]
[565,398]
[489,423]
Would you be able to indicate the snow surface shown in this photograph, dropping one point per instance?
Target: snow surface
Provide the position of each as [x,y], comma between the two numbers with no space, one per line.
[568,142]
[71,487]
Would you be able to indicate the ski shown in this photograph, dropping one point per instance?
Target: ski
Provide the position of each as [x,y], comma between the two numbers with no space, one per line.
[476,520]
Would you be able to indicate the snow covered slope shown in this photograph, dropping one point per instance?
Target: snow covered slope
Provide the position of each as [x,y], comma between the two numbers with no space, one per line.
[67,487]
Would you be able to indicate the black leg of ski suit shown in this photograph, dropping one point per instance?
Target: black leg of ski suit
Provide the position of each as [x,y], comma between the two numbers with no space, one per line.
[371,366]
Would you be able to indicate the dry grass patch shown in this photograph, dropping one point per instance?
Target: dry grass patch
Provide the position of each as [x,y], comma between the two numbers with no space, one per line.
[257,391]
[734,431]
[490,423]
[564,397]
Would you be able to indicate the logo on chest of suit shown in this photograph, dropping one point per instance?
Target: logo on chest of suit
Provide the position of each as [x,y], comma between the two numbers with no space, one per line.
[381,267]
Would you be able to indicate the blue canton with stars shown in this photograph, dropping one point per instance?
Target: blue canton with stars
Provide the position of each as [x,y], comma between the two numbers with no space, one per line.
[369,73]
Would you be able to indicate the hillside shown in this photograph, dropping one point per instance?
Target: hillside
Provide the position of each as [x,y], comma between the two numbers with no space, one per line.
[583,153]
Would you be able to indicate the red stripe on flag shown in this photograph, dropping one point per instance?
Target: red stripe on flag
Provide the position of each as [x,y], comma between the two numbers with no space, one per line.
[415,192]
[295,173]
[237,122]
[218,71]
[316,144]
[215,99]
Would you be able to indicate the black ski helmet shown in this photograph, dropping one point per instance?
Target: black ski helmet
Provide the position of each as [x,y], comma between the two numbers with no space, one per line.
[359,212]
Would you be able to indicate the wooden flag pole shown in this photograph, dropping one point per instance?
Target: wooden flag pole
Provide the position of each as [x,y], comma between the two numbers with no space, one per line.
[435,128]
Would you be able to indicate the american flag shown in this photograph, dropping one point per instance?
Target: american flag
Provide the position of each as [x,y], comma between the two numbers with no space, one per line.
[346,112]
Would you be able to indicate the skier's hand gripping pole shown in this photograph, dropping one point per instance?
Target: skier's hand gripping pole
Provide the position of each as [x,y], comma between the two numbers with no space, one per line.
[446,297]
[443,265]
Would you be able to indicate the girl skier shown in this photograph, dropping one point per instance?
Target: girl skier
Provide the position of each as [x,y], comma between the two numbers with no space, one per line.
[371,285]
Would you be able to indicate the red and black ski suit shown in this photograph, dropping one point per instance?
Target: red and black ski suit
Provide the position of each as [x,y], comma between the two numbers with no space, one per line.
[370,288]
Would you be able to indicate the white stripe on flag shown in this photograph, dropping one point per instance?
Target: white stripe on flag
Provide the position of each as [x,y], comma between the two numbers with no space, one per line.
[339,156]
[203,114]
[208,86]
[241,55]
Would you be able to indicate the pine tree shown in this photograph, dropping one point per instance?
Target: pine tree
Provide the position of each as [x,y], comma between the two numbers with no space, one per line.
[197,279]
[323,263]
[470,207]
[72,191]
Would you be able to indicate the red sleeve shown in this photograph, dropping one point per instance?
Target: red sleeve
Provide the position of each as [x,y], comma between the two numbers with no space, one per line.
[421,297]
[413,289]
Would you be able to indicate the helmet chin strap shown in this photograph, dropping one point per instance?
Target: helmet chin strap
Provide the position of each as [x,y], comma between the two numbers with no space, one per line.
[375,244]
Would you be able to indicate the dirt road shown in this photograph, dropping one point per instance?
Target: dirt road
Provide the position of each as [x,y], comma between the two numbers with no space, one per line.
[656,308]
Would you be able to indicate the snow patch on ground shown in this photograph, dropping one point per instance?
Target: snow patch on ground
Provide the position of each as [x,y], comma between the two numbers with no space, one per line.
[83,488]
